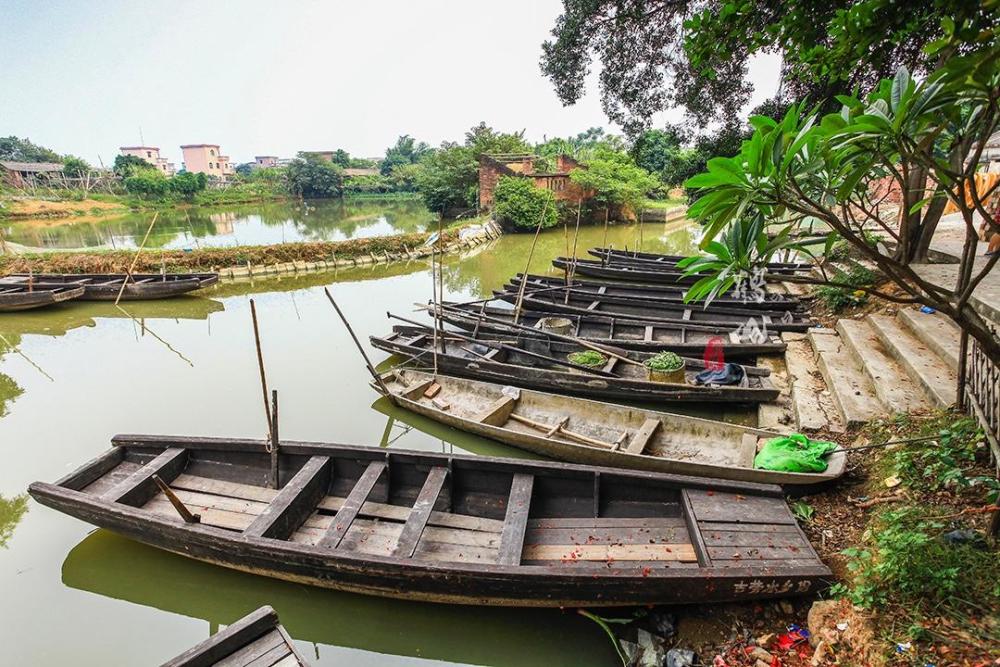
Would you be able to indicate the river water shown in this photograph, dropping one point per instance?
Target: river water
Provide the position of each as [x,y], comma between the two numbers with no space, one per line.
[253,224]
[82,373]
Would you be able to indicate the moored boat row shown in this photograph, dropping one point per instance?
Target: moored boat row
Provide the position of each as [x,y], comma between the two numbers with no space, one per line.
[22,291]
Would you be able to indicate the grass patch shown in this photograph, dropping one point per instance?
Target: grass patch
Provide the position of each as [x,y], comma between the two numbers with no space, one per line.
[839,298]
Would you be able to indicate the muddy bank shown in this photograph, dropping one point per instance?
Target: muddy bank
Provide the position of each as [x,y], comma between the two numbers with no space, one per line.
[253,260]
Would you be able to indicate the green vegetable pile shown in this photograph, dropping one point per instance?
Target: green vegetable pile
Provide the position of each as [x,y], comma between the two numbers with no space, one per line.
[664,361]
[587,358]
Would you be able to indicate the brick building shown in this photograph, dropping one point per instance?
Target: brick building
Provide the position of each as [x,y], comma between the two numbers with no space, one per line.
[207,159]
[492,167]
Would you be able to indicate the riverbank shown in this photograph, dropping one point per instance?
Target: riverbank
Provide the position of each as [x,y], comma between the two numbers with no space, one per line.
[242,261]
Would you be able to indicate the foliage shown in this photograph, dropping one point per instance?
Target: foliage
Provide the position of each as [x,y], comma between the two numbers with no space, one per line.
[587,358]
[22,150]
[448,178]
[615,179]
[147,183]
[664,361]
[803,511]
[12,510]
[657,54]
[581,147]
[313,177]
[810,167]
[373,184]
[75,167]
[405,151]
[838,298]
[188,183]
[906,562]
[519,204]
[944,463]
[126,165]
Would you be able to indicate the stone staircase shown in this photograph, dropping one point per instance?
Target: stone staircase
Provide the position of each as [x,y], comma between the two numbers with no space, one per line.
[837,379]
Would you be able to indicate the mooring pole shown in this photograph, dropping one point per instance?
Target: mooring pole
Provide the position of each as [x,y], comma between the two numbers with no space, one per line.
[570,275]
[275,441]
[135,260]
[357,343]
[527,265]
[271,446]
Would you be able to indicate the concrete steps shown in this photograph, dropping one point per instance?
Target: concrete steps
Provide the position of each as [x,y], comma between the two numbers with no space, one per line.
[852,391]
[932,373]
[893,386]
[936,332]
[811,400]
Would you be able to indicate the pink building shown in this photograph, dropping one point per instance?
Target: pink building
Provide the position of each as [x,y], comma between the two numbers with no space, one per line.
[206,159]
[150,154]
[266,160]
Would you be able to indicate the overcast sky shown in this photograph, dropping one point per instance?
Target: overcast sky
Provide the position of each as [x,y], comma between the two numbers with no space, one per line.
[261,77]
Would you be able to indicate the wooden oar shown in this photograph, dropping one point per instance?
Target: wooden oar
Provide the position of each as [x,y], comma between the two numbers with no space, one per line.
[552,429]
[514,350]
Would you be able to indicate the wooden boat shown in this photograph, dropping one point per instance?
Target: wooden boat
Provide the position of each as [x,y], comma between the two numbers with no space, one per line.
[637,292]
[626,272]
[106,286]
[715,316]
[629,334]
[542,364]
[14,297]
[583,431]
[445,527]
[256,640]
[613,256]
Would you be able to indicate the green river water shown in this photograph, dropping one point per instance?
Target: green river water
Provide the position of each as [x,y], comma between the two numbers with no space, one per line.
[83,372]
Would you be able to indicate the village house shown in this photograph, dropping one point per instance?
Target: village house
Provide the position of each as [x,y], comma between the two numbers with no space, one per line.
[493,166]
[264,161]
[207,159]
[150,154]
[322,155]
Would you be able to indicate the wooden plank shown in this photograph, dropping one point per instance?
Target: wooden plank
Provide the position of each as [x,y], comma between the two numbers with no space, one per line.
[289,661]
[694,530]
[352,505]
[416,390]
[736,508]
[748,449]
[606,522]
[111,479]
[227,641]
[226,519]
[750,539]
[92,470]
[294,502]
[516,519]
[709,526]
[643,436]
[498,412]
[272,657]
[421,512]
[232,490]
[139,487]
[253,650]
[754,553]
[608,535]
[604,552]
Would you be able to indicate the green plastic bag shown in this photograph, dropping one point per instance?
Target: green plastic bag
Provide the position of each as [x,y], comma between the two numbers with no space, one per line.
[794,453]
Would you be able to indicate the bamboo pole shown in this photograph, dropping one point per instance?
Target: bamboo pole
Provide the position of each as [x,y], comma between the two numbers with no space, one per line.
[604,243]
[569,339]
[571,274]
[527,265]
[357,343]
[270,444]
[135,260]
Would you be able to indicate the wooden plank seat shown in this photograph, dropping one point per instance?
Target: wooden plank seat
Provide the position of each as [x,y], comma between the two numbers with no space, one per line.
[607,540]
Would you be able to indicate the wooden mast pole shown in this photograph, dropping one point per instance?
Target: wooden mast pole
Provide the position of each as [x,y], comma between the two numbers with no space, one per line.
[270,412]
[357,343]
[135,260]
[527,264]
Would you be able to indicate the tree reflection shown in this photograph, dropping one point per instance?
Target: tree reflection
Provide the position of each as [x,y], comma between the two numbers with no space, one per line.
[9,388]
[12,510]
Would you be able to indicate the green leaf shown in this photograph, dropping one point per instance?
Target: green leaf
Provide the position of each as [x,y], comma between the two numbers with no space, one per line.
[900,83]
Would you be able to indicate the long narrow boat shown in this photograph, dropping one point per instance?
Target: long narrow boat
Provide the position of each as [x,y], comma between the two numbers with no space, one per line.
[541,364]
[637,292]
[626,333]
[598,269]
[613,256]
[550,302]
[106,286]
[256,640]
[583,431]
[14,297]
[445,527]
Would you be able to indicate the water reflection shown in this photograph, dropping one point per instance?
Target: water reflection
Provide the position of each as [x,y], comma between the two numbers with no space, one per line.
[12,510]
[9,388]
[250,224]
[114,567]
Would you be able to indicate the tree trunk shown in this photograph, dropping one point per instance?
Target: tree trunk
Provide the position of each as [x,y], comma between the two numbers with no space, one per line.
[931,218]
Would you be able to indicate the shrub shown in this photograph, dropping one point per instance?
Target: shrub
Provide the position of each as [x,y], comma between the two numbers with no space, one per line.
[517,203]
[664,361]
[187,183]
[147,183]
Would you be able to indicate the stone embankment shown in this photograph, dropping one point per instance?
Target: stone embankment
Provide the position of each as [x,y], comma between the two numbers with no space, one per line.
[243,261]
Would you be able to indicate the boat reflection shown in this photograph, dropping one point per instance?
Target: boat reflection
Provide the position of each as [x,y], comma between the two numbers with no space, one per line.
[112,566]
